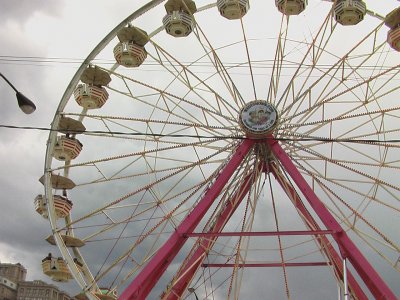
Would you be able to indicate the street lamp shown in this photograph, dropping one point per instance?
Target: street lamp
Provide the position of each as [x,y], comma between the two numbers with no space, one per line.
[26,105]
[192,290]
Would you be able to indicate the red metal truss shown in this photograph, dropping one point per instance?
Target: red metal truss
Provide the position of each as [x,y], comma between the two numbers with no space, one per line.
[325,245]
[371,278]
[260,233]
[268,265]
[188,269]
[143,283]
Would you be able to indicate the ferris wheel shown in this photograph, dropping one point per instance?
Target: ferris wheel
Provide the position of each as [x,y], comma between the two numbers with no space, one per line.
[231,150]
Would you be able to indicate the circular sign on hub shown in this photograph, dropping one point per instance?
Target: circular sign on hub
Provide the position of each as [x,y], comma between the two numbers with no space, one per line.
[258,118]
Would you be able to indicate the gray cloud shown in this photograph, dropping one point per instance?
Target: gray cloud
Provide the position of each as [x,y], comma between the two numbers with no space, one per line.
[22,231]
[20,11]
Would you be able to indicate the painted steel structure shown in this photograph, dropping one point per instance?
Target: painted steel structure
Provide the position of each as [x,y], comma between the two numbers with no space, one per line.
[200,147]
[146,280]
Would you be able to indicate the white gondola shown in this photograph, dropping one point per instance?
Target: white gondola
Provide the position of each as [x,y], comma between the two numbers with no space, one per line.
[129,55]
[62,206]
[66,148]
[41,206]
[179,21]
[130,51]
[349,12]
[393,38]
[233,9]
[392,20]
[291,7]
[56,268]
[90,96]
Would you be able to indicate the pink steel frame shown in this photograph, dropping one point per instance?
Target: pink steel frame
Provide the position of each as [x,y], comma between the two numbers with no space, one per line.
[196,257]
[324,243]
[144,282]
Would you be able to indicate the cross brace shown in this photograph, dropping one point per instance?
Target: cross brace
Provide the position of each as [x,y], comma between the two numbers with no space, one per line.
[262,233]
[325,244]
[268,265]
[349,250]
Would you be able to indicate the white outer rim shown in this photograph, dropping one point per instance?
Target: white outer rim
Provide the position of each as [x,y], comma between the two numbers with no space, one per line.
[86,282]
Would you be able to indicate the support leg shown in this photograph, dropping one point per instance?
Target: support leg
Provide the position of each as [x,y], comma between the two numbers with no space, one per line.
[145,281]
[324,243]
[371,278]
[196,257]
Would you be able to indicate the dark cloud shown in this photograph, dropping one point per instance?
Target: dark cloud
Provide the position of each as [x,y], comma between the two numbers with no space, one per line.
[22,230]
[27,78]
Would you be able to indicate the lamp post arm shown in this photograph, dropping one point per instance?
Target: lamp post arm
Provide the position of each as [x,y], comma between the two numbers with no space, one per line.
[9,83]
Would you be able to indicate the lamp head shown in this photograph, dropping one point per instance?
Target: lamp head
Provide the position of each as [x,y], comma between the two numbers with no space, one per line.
[26,105]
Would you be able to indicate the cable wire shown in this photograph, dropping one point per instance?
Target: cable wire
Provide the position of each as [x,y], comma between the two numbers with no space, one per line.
[222,137]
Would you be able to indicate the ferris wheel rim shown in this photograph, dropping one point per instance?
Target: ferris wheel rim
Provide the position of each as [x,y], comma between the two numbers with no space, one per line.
[53,134]
[67,94]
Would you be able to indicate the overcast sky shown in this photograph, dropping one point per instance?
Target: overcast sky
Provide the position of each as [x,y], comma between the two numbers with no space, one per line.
[65,29]
[44,29]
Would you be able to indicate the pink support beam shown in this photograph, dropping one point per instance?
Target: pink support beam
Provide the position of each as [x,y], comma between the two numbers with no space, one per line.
[268,265]
[195,258]
[368,274]
[260,233]
[143,283]
[324,243]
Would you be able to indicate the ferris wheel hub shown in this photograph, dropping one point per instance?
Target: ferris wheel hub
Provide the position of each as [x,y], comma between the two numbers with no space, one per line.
[258,119]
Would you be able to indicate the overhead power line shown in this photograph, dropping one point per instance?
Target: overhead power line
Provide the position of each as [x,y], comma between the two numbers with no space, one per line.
[222,137]
[267,63]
